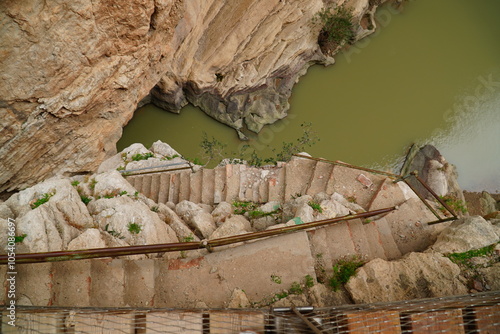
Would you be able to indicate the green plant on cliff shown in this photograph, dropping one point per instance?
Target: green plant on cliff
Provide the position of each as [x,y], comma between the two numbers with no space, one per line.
[134,228]
[41,200]
[145,156]
[454,203]
[214,150]
[337,27]
[343,270]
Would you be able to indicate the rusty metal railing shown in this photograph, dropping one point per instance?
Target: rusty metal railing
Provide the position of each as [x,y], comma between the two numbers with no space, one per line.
[183,246]
[399,178]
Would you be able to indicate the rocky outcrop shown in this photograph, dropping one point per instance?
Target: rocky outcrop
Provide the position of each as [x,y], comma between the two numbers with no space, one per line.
[418,275]
[73,72]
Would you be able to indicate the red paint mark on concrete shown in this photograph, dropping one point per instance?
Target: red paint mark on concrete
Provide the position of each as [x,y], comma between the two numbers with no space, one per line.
[272,182]
[177,264]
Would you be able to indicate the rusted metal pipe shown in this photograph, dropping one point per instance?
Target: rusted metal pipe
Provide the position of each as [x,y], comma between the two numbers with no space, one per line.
[423,200]
[160,248]
[306,321]
[125,174]
[450,210]
[374,171]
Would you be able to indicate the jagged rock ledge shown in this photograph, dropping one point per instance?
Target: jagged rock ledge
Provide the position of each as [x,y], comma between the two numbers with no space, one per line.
[73,72]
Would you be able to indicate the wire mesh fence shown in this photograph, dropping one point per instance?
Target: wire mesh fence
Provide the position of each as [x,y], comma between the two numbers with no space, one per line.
[477,313]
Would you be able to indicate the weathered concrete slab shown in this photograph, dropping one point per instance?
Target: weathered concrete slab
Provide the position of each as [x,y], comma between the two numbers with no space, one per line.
[389,194]
[220,185]
[232,182]
[155,187]
[331,243]
[108,283]
[71,283]
[174,186]
[35,282]
[298,176]
[164,187]
[277,185]
[146,185]
[184,188]
[355,185]
[139,285]
[374,241]
[319,180]
[208,186]
[359,238]
[409,226]
[391,249]
[195,187]
[181,283]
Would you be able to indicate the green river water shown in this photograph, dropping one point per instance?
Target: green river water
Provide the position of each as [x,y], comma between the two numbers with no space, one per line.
[431,74]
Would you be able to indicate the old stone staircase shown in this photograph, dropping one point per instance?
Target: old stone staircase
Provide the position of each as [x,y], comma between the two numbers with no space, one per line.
[173,281]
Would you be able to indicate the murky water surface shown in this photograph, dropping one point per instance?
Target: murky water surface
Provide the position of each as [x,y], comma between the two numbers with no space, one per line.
[430,74]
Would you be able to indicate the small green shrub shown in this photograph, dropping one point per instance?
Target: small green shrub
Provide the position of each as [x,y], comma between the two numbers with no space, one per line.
[343,270]
[243,207]
[120,168]
[280,295]
[316,206]
[145,156]
[276,279]
[20,238]
[75,183]
[295,289]
[155,208]
[41,200]
[113,232]
[92,184]
[134,228]
[337,27]
[188,239]
[455,204]
[463,258]
[309,281]
[86,200]
[352,199]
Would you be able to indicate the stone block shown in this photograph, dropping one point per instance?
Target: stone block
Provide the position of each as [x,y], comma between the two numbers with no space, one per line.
[35,282]
[72,281]
[140,276]
[108,283]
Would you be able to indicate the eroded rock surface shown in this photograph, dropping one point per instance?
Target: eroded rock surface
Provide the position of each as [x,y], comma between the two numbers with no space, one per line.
[73,72]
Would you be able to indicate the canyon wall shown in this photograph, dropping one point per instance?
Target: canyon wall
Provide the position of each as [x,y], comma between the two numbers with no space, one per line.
[73,72]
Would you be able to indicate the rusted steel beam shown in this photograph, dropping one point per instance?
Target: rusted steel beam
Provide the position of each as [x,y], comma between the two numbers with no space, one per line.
[160,248]
[125,174]
[450,210]
[339,163]
[289,229]
[423,200]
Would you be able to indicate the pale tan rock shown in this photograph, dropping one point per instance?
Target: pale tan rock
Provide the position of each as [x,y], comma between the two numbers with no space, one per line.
[239,299]
[417,275]
[66,96]
[465,234]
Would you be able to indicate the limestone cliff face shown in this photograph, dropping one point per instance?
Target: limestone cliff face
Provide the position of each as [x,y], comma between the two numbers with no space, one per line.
[73,72]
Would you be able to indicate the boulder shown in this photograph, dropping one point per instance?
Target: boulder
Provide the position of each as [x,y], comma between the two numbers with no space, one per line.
[417,275]
[163,149]
[176,223]
[331,209]
[197,218]
[491,275]
[263,223]
[51,214]
[239,299]
[132,221]
[91,238]
[60,195]
[324,296]
[235,225]
[111,183]
[5,211]
[465,234]
[222,212]
[354,207]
